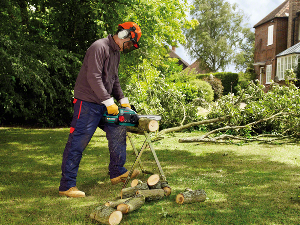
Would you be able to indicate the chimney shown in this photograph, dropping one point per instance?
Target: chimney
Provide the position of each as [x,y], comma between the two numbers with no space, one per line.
[173,48]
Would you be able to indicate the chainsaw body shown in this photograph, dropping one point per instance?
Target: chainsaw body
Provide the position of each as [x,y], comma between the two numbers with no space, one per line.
[126,117]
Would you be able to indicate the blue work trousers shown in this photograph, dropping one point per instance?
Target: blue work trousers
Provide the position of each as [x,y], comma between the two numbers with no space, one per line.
[85,121]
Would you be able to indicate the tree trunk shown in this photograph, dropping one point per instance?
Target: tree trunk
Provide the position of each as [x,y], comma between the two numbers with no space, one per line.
[115,203]
[131,191]
[131,204]
[151,195]
[107,215]
[190,196]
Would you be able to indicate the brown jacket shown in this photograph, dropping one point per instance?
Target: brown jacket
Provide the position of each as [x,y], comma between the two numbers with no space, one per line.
[98,77]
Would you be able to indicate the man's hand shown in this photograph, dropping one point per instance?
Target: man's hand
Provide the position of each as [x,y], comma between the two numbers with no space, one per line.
[126,105]
[113,109]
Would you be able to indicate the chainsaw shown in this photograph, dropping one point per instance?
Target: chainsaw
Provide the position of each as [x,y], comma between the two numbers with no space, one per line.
[126,117]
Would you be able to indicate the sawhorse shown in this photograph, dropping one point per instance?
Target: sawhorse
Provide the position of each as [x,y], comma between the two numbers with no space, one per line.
[138,156]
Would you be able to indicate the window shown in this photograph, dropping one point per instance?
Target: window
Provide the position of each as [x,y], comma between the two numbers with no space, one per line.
[270,34]
[268,74]
[261,74]
[284,63]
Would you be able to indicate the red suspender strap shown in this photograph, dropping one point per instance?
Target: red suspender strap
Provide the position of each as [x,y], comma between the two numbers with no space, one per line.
[79,109]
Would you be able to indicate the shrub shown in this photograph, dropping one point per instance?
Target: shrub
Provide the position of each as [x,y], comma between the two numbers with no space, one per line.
[205,90]
[229,80]
[216,85]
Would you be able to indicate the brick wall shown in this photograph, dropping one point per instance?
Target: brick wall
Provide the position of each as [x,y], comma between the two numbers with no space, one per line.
[293,24]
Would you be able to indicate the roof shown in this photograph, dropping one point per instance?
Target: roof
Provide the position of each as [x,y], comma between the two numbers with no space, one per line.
[196,65]
[295,49]
[280,11]
[181,61]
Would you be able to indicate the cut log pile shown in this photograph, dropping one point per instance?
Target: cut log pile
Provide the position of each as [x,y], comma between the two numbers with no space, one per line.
[134,197]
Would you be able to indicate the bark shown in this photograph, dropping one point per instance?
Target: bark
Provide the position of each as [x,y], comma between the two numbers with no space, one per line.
[131,191]
[131,204]
[107,215]
[152,195]
[190,196]
[206,138]
[180,128]
[115,203]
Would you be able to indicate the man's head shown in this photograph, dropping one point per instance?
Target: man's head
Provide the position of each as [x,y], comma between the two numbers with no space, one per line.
[128,35]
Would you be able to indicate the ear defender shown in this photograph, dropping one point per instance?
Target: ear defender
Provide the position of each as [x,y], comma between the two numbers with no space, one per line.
[123,34]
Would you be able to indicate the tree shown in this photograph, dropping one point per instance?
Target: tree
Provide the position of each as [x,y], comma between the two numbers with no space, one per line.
[218,36]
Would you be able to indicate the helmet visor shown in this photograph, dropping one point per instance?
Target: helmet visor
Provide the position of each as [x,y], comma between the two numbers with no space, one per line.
[129,46]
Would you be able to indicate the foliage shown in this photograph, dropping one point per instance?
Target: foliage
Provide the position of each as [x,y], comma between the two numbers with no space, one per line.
[43,42]
[205,90]
[244,59]
[216,85]
[219,35]
[163,99]
[36,87]
[261,105]
[229,80]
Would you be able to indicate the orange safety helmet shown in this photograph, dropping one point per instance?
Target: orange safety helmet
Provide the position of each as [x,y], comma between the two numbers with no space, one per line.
[133,28]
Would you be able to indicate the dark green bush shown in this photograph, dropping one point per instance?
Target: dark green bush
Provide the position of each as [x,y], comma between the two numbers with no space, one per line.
[216,85]
[229,80]
[36,84]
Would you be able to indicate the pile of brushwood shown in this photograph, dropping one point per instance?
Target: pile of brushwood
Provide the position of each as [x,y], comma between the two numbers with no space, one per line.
[265,116]
[134,197]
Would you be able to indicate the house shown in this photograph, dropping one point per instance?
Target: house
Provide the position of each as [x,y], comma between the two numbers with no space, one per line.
[196,65]
[276,43]
[173,54]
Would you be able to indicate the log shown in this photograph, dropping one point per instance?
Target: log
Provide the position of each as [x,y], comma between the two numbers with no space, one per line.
[152,195]
[115,203]
[166,187]
[153,180]
[107,215]
[136,182]
[131,204]
[131,191]
[144,124]
[190,196]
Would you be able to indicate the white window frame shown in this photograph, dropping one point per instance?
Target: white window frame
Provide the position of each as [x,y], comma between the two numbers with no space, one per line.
[284,63]
[268,74]
[261,75]
[270,34]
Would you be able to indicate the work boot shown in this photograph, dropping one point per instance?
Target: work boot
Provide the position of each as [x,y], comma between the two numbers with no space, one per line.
[123,177]
[72,192]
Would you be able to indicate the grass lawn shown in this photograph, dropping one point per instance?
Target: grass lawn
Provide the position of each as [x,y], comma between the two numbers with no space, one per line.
[247,184]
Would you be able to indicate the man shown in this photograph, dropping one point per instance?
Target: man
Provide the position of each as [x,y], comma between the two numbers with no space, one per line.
[96,87]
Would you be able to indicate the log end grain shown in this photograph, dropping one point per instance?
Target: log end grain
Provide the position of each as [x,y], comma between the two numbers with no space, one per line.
[123,208]
[115,218]
[153,180]
[179,198]
[167,191]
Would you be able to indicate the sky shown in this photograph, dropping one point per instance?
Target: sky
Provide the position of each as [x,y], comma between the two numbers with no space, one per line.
[255,10]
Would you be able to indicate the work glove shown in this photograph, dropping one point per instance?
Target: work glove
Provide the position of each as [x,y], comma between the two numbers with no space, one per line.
[113,109]
[126,105]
